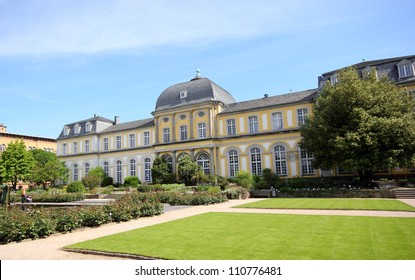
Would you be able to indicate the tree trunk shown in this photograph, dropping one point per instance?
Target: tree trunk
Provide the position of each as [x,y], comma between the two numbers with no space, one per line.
[365,177]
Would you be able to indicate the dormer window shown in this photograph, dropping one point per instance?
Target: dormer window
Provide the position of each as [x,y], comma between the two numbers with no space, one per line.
[77,128]
[183,94]
[405,68]
[66,130]
[88,127]
[366,72]
[334,79]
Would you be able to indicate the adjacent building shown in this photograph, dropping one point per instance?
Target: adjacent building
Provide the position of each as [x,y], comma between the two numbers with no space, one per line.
[201,119]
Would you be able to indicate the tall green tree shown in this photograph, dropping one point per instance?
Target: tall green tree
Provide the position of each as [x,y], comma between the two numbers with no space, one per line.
[188,170]
[361,124]
[47,169]
[160,171]
[16,163]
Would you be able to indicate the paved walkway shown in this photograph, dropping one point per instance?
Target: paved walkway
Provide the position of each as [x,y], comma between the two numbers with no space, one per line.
[50,248]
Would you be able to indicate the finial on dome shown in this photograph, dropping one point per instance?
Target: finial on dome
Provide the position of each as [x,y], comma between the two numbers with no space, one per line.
[198,73]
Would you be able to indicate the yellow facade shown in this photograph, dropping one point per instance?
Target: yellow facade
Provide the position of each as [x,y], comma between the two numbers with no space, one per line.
[201,119]
[31,142]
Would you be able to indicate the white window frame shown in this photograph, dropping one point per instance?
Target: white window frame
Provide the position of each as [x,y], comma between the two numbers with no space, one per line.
[64,148]
[132,140]
[118,141]
[306,163]
[280,159]
[147,170]
[302,114]
[106,169]
[88,127]
[75,147]
[253,124]
[183,132]
[106,144]
[87,146]
[75,172]
[203,160]
[133,167]
[87,167]
[233,161]
[166,135]
[277,121]
[231,126]
[255,156]
[201,130]
[118,171]
[146,138]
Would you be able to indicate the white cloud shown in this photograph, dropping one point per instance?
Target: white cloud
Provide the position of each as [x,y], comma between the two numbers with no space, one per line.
[63,26]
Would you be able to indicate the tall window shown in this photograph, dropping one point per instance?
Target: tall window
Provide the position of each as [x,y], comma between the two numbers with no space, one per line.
[87,166]
[253,124]
[183,132]
[231,127]
[405,70]
[75,172]
[203,161]
[306,162]
[202,130]
[133,171]
[87,148]
[277,122]
[119,171]
[301,116]
[132,140]
[280,157]
[118,141]
[146,138]
[64,148]
[166,135]
[106,169]
[169,160]
[75,147]
[233,158]
[106,146]
[147,170]
[256,164]
[88,127]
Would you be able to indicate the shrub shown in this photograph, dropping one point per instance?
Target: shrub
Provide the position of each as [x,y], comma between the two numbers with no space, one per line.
[132,181]
[236,192]
[107,181]
[244,179]
[76,187]
[68,220]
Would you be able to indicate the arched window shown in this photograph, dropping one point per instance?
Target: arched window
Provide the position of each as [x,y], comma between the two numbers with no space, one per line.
[106,169]
[169,160]
[233,159]
[147,170]
[119,172]
[75,172]
[280,156]
[256,163]
[87,166]
[133,168]
[306,162]
[204,162]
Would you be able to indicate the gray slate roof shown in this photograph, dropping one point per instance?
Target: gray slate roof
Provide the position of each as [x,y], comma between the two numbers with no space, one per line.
[198,90]
[272,101]
[130,125]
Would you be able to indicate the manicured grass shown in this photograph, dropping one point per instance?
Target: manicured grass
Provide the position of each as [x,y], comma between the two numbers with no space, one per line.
[331,203]
[233,236]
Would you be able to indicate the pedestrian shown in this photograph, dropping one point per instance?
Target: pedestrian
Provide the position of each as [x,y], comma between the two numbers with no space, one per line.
[24,197]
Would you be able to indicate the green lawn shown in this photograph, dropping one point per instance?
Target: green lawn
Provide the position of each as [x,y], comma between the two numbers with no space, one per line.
[331,203]
[233,236]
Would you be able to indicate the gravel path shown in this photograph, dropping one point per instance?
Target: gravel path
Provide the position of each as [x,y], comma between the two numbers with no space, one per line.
[50,248]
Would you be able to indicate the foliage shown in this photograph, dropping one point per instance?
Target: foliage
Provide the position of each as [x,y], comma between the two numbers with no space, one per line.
[267,180]
[94,178]
[188,170]
[132,181]
[76,187]
[244,179]
[47,168]
[16,163]
[237,192]
[107,181]
[160,171]
[50,197]
[361,124]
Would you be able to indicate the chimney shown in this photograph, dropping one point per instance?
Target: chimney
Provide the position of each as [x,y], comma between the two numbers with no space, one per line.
[3,128]
[116,120]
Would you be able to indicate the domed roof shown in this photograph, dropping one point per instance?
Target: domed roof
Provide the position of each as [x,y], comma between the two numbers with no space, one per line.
[197,90]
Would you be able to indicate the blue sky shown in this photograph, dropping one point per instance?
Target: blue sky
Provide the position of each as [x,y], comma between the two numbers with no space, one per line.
[63,61]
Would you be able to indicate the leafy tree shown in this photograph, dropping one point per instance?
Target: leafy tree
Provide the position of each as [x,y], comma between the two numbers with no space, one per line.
[16,163]
[132,181]
[160,171]
[47,168]
[244,179]
[188,170]
[361,124]
[94,178]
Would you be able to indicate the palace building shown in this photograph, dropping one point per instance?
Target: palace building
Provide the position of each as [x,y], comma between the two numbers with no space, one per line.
[201,119]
